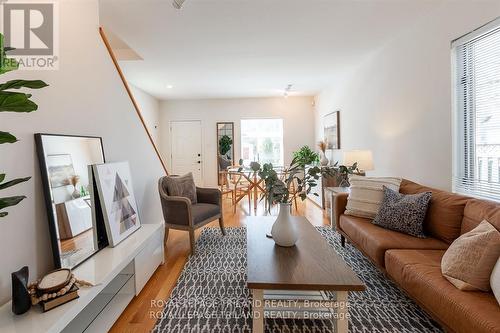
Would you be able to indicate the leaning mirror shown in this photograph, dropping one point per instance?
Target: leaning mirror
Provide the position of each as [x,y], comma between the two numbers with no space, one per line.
[225,148]
[64,162]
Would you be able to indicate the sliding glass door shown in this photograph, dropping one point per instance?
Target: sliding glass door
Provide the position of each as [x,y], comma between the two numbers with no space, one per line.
[262,141]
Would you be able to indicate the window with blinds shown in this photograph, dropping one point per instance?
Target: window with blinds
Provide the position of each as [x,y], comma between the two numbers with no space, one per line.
[476,167]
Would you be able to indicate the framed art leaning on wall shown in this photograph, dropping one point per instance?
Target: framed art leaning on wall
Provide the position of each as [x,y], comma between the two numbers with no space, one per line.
[116,195]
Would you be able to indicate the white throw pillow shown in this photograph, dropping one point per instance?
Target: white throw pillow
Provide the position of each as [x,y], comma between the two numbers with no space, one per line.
[495,281]
[366,194]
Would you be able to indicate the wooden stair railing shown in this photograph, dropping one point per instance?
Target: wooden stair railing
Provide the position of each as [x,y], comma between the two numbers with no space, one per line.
[132,99]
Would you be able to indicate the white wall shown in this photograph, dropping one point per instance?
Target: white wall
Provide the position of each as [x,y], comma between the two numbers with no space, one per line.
[150,110]
[398,102]
[85,97]
[296,112]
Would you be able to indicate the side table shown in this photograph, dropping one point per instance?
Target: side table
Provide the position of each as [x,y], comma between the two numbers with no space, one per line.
[330,192]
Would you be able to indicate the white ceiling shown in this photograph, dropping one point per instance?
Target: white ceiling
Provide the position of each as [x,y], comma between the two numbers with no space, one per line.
[251,48]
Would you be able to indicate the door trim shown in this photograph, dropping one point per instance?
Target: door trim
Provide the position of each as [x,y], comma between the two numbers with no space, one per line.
[201,143]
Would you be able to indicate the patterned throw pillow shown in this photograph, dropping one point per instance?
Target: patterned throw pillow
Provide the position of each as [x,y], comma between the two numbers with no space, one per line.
[182,186]
[403,212]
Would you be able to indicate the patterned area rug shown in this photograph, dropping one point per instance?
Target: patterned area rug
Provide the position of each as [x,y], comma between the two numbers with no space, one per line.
[211,294]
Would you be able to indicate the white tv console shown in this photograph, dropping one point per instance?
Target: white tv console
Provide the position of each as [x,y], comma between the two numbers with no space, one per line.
[118,274]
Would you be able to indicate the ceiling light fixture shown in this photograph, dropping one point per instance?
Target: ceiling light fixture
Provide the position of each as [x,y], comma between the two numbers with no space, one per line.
[177,3]
[170,86]
[287,91]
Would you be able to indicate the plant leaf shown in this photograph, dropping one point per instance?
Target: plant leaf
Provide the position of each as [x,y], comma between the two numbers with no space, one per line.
[11,201]
[16,102]
[2,177]
[6,64]
[13,182]
[17,84]
[6,137]
[3,214]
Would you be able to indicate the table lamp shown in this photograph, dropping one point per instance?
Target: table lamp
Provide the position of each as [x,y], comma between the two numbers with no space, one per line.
[364,158]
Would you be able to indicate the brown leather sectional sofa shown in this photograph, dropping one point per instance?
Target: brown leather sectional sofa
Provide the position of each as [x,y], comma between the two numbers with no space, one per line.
[415,264]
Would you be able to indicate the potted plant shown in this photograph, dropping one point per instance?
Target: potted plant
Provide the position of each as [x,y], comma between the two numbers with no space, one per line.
[225,143]
[306,156]
[13,101]
[279,191]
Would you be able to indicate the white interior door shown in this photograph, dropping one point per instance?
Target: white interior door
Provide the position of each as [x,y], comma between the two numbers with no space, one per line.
[186,149]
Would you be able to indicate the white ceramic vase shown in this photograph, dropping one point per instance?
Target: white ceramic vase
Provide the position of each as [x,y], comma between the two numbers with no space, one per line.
[283,231]
[75,194]
[324,160]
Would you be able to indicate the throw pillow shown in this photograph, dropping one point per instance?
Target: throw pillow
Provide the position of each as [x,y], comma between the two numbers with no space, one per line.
[403,212]
[469,261]
[495,281]
[182,186]
[366,194]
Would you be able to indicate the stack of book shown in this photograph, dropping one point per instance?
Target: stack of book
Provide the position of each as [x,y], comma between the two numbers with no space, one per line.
[60,300]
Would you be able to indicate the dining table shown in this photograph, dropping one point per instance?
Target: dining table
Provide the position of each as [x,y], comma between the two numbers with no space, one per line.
[254,183]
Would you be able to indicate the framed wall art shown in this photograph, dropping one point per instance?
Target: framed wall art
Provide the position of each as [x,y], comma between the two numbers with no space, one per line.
[116,195]
[331,130]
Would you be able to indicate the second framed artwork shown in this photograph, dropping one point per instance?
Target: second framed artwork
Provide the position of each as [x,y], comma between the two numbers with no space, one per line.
[116,195]
[331,128]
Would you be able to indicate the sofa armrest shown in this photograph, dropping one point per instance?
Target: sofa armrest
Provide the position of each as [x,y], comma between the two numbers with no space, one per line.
[176,210]
[339,205]
[209,195]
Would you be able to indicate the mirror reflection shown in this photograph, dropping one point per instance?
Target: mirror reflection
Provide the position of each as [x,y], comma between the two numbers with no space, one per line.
[67,191]
[225,147]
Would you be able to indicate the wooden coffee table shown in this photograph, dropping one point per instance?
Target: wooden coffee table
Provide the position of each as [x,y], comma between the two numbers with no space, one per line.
[279,277]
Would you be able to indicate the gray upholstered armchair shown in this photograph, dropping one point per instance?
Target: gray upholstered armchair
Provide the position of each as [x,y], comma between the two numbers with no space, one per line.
[179,213]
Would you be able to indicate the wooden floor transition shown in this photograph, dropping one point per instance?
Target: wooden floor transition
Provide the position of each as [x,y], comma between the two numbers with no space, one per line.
[140,315]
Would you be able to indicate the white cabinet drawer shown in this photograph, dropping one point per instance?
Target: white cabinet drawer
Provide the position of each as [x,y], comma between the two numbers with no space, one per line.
[148,260]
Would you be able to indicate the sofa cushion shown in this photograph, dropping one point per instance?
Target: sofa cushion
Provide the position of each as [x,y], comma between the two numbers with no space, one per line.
[469,261]
[419,273]
[445,212]
[203,211]
[403,212]
[366,194]
[374,240]
[478,210]
[182,186]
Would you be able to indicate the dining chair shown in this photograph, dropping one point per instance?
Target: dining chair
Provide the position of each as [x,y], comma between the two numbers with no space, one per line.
[239,186]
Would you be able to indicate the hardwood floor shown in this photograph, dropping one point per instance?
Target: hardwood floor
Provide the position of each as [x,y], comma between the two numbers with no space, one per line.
[141,314]
[85,240]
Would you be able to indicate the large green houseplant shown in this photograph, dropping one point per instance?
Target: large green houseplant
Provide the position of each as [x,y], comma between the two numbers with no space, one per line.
[13,100]
[306,156]
[225,143]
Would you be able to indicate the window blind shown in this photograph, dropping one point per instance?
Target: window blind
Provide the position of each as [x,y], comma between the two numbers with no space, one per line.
[477,114]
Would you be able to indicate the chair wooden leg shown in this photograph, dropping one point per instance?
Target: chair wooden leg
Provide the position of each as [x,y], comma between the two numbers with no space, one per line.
[166,235]
[249,201]
[192,241]
[342,240]
[221,225]
[234,201]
